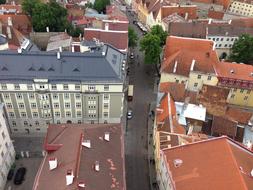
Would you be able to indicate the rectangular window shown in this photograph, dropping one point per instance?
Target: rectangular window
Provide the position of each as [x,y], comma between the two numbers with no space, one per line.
[106,106]
[68,114]
[232,96]
[9,105]
[35,114]
[3,135]
[55,96]
[29,87]
[199,76]
[195,84]
[67,105]
[106,87]
[106,96]
[77,87]
[246,98]
[31,95]
[42,86]
[21,105]
[248,91]
[91,87]
[53,87]
[66,95]
[4,86]
[78,96]
[57,114]
[105,114]
[78,104]
[177,81]
[19,96]
[56,105]
[14,123]
[6,96]
[33,105]
[16,87]
[11,114]
[23,114]
[6,145]
[209,77]
[65,87]
[241,91]
[78,114]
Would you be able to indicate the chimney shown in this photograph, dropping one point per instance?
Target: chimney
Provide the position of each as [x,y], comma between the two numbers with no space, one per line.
[192,65]
[86,143]
[47,29]
[159,110]
[177,162]
[106,26]
[69,177]
[186,16]
[19,50]
[9,32]
[96,166]
[103,53]
[9,21]
[60,49]
[58,55]
[213,46]
[73,48]
[232,71]
[175,67]
[52,163]
[81,184]
[230,21]
[210,21]
[107,136]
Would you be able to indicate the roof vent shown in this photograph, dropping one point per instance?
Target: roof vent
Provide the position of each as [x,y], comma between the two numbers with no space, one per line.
[177,162]
[42,68]
[52,163]
[58,55]
[159,110]
[175,67]
[251,173]
[193,63]
[4,68]
[232,71]
[51,69]
[96,166]
[251,74]
[103,53]
[86,143]
[76,70]
[69,177]
[81,184]
[107,136]
[31,69]
[19,50]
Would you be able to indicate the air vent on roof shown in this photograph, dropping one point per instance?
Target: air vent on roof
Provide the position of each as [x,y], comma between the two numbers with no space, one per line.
[251,74]
[31,69]
[177,162]
[69,177]
[4,68]
[52,163]
[86,143]
[96,167]
[41,68]
[81,184]
[51,69]
[76,70]
[107,136]
[232,71]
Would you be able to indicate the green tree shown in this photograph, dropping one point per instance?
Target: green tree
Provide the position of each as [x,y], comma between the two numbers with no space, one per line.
[158,30]
[100,5]
[242,50]
[150,45]
[2,1]
[132,37]
[28,6]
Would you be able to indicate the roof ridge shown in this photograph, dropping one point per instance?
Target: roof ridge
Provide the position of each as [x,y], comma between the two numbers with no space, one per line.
[235,162]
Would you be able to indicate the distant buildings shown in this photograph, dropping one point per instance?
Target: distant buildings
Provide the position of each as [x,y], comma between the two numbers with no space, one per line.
[83,156]
[7,152]
[39,88]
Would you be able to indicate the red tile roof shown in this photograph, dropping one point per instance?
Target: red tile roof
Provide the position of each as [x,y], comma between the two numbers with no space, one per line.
[217,163]
[166,116]
[180,10]
[215,14]
[180,54]
[224,3]
[176,90]
[64,142]
[7,7]
[234,71]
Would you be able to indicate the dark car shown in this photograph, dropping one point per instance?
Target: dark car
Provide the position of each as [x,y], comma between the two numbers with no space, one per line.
[10,174]
[19,177]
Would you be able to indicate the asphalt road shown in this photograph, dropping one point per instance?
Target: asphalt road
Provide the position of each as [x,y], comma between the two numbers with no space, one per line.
[136,145]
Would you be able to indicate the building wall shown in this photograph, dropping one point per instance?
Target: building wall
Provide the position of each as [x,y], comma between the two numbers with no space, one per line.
[7,152]
[241,8]
[142,13]
[4,46]
[151,21]
[241,97]
[197,79]
[170,77]
[31,107]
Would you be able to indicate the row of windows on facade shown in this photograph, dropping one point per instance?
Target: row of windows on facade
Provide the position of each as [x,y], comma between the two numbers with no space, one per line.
[245,97]
[241,8]
[54,87]
[221,39]
[57,114]
[55,96]
[242,13]
[199,77]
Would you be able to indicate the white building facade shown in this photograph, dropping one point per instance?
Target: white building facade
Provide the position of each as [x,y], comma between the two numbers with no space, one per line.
[7,152]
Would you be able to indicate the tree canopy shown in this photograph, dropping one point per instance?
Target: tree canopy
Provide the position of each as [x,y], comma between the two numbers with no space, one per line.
[132,37]
[150,45]
[242,50]
[100,5]
[50,15]
[158,30]
[2,1]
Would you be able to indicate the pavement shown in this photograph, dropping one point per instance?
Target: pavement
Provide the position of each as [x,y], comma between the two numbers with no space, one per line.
[32,166]
[136,132]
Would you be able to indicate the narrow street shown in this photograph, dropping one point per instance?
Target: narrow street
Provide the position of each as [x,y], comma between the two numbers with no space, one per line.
[136,136]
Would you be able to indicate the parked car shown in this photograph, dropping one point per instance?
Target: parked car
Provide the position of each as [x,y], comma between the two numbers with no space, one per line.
[10,174]
[129,114]
[19,176]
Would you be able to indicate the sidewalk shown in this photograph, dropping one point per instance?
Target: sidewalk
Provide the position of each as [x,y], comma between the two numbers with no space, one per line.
[152,172]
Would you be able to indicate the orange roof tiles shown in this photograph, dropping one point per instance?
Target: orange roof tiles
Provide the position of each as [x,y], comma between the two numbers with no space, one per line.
[218,163]
[176,90]
[182,51]
[180,10]
[234,71]
[215,14]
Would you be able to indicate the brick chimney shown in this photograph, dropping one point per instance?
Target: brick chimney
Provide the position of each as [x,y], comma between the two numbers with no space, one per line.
[52,163]
[69,177]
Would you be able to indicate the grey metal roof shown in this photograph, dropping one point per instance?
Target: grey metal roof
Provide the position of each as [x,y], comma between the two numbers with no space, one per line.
[88,66]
